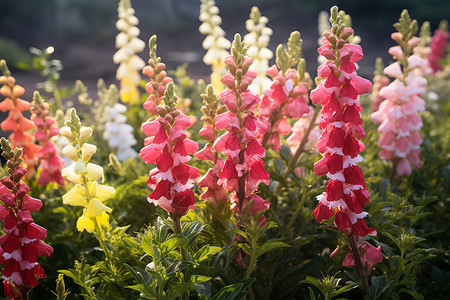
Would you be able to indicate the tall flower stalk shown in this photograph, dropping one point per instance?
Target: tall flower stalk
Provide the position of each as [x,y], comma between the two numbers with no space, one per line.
[243,170]
[215,42]
[346,192]
[50,162]
[257,40]
[129,44]
[211,108]
[398,115]
[287,97]
[22,242]
[87,192]
[16,122]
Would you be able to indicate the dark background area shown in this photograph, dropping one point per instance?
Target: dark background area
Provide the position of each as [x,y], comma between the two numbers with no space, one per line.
[83,31]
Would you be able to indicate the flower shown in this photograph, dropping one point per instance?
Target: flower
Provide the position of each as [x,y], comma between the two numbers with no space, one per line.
[118,133]
[158,79]
[258,40]
[129,44]
[380,80]
[346,192]
[22,242]
[215,42]
[300,128]
[398,117]
[243,170]
[15,121]
[50,163]
[214,192]
[286,98]
[167,146]
[87,192]
[437,46]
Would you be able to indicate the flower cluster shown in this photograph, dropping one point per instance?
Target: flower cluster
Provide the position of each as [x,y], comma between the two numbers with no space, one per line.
[50,162]
[167,146]
[286,98]
[215,42]
[438,45]
[380,80]
[129,44]
[118,133]
[158,79]
[243,170]
[346,192]
[214,192]
[15,121]
[398,115]
[87,192]
[258,39]
[22,242]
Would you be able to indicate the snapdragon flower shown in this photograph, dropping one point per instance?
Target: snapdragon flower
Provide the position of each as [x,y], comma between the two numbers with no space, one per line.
[214,192]
[22,242]
[215,42]
[129,44]
[398,115]
[438,45]
[16,122]
[243,170]
[257,40]
[346,193]
[380,80]
[167,146]
[50,162]
[158,79]
[118,133]
[87,192]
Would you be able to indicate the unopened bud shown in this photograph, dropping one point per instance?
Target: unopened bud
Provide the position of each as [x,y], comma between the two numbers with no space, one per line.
[85,133]
[67,133]
[87,150]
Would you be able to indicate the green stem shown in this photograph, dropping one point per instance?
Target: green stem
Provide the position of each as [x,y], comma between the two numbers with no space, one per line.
[298,209]
[360,268]
[250,269]
[183,251]
[299,150]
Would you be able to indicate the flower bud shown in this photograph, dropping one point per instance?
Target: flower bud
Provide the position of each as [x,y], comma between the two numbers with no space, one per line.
[19,172]
[85,133]
[87,150]
[67,133]
[71,152]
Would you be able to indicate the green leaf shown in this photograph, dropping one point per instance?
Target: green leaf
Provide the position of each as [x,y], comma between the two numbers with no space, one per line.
[378,286]
[205,253]
[270,245]
[234,291]
[311,294]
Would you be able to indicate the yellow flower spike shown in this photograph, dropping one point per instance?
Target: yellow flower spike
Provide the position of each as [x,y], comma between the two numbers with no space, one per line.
[87,150]
[95,208]
[75,196]
[69,174]
[94,172]
[71,152]
[85,223]
[104,192]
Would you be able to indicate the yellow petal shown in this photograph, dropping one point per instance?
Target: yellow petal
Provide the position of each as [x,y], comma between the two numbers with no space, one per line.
[85,223]
[104,192]
[94,172]
[75,196]
[87,150]
[103,221]
[70,174]
[95,208]
[71,152]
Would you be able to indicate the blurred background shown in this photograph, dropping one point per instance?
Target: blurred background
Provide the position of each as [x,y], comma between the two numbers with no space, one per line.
[82,32]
